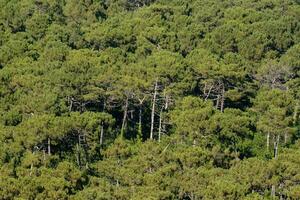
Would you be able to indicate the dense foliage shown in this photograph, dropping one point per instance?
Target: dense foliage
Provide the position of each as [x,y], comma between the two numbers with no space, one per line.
[149,99]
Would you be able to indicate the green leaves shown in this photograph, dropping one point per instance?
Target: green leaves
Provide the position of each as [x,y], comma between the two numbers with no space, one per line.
[191,117]
[215,83]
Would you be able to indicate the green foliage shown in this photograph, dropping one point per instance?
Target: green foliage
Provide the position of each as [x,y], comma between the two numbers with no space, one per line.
[216,84]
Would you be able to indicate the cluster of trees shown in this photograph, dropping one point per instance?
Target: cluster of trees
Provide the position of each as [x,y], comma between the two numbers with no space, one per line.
[149,99]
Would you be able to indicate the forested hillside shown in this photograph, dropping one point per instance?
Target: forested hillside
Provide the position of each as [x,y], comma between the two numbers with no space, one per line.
[149,99]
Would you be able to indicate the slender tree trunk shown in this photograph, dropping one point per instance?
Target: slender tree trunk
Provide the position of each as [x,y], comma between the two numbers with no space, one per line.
[124,117]
[222,98]
[166,102]
[140,123]
[285,138]
[280,193]
[191,196]
[78,151]
[295,116]
[82,107]
[194,142]
[49,146]
[276,144]
[31,169]
[236,154]
[275,147]
[31,165]
[140,128]
[268,141]
[71,104]
[160,126]
[163,124]
[153,109]
[273,192]
[86,155]
[209,91]
[44,155]
[101,134]
[218,101]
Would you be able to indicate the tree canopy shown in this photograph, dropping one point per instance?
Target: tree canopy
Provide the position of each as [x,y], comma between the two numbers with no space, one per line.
[149,99]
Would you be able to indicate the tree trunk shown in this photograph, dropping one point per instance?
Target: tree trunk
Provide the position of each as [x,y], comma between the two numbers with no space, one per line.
[71,104]
[104,106]
[285,138]
[222,98]
[276,144]
[44,155]
[31,169]
[31,165]
[101,134]
[49,146]
[140,128]
[194,142]
[268,141]
[124,117]
[209,91]
[295,116]
[273,192]
[153,109]
[78,151]
[160,126]
[218,101]
[166,102]
[204,90]
[140,123]
[101,137]
[280,191]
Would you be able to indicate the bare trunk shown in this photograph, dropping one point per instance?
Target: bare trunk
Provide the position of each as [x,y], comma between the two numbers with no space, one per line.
[31,169]
[268,141]
[295,116]
[71,104]
[140,128]
[49,146]
[280,193]
[222,98]
[78,151]
[218,101]
[273,191]
[44,155]
[160,126]
[276,144]
[104,106]
[167,102]
[153,110]
[101,137]
[140,123]
[101,134]
[124,117]
[204,90]
[285,138]
[209,91]
[31,166]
